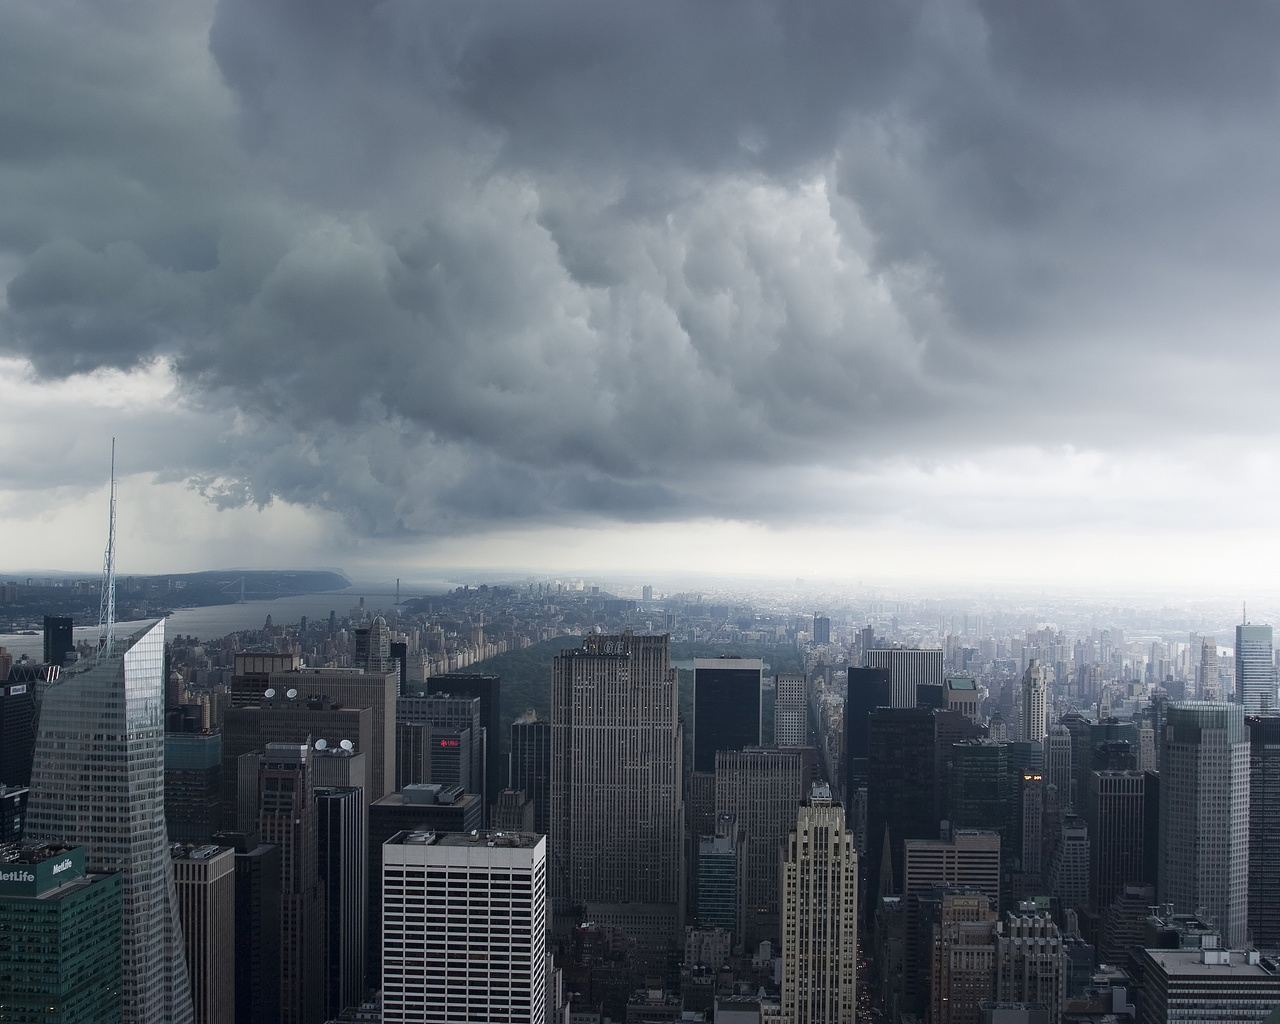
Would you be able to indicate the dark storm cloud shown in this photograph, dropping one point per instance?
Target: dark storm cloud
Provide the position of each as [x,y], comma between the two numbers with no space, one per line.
[448,264]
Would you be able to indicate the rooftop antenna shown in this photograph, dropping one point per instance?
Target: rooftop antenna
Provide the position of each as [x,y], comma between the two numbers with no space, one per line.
[107,613]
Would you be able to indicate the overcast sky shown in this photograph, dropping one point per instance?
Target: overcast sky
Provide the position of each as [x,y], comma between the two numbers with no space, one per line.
[942,290]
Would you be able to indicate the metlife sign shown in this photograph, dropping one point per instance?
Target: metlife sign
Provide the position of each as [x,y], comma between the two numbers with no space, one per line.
[22,879]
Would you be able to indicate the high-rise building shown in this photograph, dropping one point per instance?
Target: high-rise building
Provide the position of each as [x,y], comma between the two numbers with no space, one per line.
[901,788]
[1255,669]
[287,819]
[617,813]
[413,753]
[820,916]
[907,670]
[1034,704]
[982,788]
[726,707]
[963,958]
[867,688]
[354,688]
[205,879]
[1068,877]
[760,790]
[1182,986]
[1204,815]
[1057,763]
[373,647]
[13,812]
[457,742]
[531,765]
[58,639]
[108,713]
[341,834]
[257,909]
[1264,830]
[17,732]
[251,676]
[970,859]
[1208,685]
[192,786]
[790,712]
[821,629]
[464,931]
[1115,809]
[1031,961]
[60,930]
[489,689]
[718,871]
[963,696]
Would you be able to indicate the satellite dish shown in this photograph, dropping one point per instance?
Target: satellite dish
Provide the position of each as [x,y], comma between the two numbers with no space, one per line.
[322,744]
[347,745]
[268,693]
[291,693]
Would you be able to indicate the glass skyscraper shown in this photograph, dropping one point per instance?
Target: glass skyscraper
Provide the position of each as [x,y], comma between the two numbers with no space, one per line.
[1255,672]
[98,782]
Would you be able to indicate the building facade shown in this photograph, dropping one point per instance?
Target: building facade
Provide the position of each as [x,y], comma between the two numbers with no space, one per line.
[1264,830]
[530,768]
[790,711]
[907,669]
[726,707]
[1034,704]
[205,879]
[109,715]
[1255,669]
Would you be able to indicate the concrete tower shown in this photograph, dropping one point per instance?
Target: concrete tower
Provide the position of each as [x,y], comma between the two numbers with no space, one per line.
[1034,704]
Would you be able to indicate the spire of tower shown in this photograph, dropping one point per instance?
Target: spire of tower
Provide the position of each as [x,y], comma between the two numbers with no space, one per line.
[107,612]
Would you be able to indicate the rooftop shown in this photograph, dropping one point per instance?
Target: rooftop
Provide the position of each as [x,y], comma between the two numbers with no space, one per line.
[478,837]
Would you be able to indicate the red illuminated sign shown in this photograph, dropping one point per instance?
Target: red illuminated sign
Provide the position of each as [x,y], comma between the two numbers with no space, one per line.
[448,743]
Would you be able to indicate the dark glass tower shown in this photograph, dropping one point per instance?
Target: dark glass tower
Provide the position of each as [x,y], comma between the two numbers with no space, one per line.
[17,732]
[868,688]
[982,788]
[489,690]
[1264,830]
[531,765]
[342,819]
[726,707]
[57,639]
[901,787]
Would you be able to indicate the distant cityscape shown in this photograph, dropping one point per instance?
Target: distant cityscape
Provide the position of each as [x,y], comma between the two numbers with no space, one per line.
[543,801]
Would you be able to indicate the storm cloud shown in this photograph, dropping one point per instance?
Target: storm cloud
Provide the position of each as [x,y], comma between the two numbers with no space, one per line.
[442,266]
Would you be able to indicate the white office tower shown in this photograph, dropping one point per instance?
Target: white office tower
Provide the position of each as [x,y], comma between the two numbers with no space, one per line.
[819,916]
[790,714]
[98,782]
[1255,670]
[1204,815]
[1034,704]
[464,927]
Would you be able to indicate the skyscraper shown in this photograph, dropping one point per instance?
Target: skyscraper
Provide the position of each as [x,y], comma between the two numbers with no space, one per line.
[907,670]
[205,879]
[58,640]
[1207,683]
[617,814]
[821,629]
[341,818]
[1031,963]
[17,732]
[465,923]
[489,689]
[820,916]
[1204,815]
[257,907]
[790,712]
[901,788]
[726,707]
[107,713]
[1034,704]
[1057,763]
[1255,671]
[1264,830]
[962,959]
[1114,809]
[192,785]
[531,765]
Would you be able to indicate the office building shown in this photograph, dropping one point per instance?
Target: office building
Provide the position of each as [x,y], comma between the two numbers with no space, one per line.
[821,631]
[1115,810]
[354,688]
[1029,801]
[373,647]
[970,859]
[790,711]
[1264,830]
[464,935]
[1068,878]
[58,640]
[820,916]
[617,811]
[426,807]
[457,741]
[760,790]
[964,696]
[13,812]
[901,788]
[718,870]
[907,669]
[339,766]
[1057,763]
[1188,986]
[252,672]
[287,818]
[512,813]
[284,719]
[982,788]
[1034,704]
[530,769]
[257,910]
[413,753]
[488,688]
[60,932]
[341,833]
[192,786]
[17,733]
[867,688]
[1031,961]
[962,957]
[107,712]
[1255,670]
[205,880]
[1208,683]
[726,707]
[1204,815]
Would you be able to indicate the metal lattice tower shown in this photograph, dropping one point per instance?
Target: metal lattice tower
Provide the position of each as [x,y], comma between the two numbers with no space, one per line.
[107,612]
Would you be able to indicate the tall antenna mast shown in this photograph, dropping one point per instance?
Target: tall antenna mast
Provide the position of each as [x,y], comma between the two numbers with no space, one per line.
[107,613]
